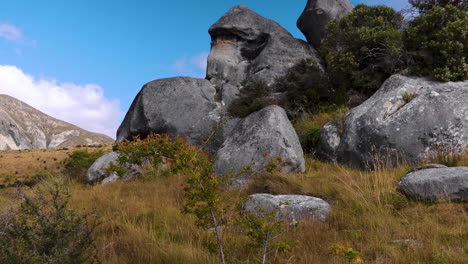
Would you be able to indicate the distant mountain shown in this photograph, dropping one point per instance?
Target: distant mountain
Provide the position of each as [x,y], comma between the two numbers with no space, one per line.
[24,127]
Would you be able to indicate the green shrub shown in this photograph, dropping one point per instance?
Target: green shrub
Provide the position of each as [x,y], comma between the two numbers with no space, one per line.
[253,96]
[425,5]
[160,151]
[438,43]
[362,49]
[306,86]
[79,161]
[44,230]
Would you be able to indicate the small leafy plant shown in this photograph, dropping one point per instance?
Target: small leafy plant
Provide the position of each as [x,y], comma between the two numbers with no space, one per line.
[348,253]
[43,229]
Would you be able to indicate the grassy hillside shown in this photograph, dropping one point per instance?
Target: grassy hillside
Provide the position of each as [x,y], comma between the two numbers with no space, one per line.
[143,222]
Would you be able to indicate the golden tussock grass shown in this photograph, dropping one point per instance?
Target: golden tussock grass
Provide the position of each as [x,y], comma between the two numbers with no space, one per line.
[143,222]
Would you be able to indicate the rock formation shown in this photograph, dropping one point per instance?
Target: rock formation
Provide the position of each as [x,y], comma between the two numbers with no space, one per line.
[180,106]
[316,16]
[436,184]
[295,207]
[23,127]
[245,45]
[267,131]
[408,118]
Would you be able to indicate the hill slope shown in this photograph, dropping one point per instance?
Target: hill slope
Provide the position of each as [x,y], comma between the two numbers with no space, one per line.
[24,127]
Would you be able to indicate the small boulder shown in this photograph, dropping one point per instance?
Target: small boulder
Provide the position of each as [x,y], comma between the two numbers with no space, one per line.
[181,106]
[317,14]
[247,46]
[295,207]
[95,172]
[267,131]
[408,119]
[436,184]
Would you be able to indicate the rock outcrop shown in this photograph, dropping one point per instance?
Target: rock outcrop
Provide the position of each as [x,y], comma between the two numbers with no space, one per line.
[24,127]
[293,207]
[267,131]
[245,45]
[408,118]
[96,173]
[436,184]
[316,16]
[181,106]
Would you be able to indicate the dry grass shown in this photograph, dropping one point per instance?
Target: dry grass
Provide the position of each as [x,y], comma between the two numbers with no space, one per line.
[24,165]
[143,222]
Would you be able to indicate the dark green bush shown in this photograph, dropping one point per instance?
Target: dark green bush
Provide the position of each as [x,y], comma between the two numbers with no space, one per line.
[44,230]
[363,49]
[253,96]
[438,43]
[425,5]
[79,161]
[306,87]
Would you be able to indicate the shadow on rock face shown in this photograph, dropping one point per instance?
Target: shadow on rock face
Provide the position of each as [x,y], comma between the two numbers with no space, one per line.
[316,16]
[245,45]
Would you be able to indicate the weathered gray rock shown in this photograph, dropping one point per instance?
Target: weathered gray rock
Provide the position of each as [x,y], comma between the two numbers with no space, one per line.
[95,172]
[266,131]
[113,178]
[245,45]
[296,207]
[408,119]
[329,142]
[435,184]
[180,106]
[316,16]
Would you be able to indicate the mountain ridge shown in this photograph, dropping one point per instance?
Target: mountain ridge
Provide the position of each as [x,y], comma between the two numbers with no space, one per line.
[24,127]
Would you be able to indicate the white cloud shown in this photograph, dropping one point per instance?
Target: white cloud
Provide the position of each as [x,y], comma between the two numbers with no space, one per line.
[10,32]
[194,66]
[83,105]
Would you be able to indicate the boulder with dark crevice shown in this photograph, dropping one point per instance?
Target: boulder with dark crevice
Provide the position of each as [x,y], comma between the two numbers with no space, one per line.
[247,46]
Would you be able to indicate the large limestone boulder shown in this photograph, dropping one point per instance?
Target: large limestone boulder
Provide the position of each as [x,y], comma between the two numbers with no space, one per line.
[408,119]
[180,106]
[316,16]
[290,207]
[266,131]
[245,45]
[436,184]
[96,173]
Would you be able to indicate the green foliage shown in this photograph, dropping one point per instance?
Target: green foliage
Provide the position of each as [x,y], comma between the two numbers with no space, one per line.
[408,97]
[157,150]
[438,42]
[253,96]
[312,138]
[306,86]
[348,253]
[77,164]
[44,230]
[363,49]
[263,228]
[425,5]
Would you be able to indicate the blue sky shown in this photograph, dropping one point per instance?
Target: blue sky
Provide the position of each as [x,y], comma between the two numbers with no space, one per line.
[83,61]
